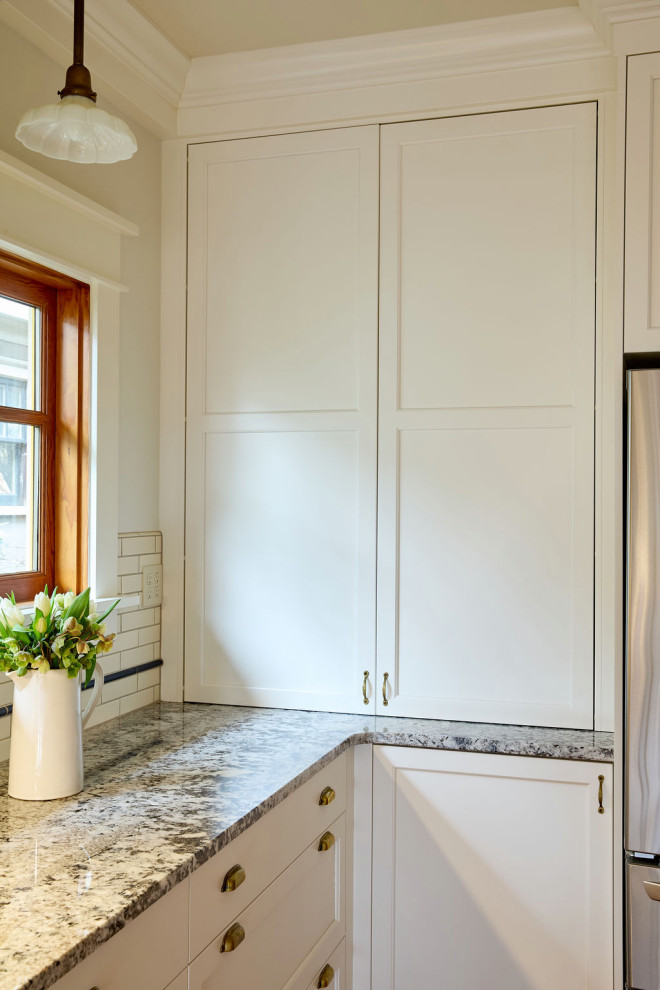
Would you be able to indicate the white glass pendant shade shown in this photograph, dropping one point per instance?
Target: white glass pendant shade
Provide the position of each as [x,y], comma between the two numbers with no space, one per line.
[76,130]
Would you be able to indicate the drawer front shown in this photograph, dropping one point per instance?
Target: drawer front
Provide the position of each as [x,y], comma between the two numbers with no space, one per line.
[320,970]
[139,955]
[301,913]
[333,972]
[263,851]
[180,983]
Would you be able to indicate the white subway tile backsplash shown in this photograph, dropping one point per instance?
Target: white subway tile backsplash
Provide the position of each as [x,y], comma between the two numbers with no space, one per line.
[5,727]
[149,635]
[142,654]
[150,558]
[110,663]
[127,565]
[136,620]
[148,678]
[137,700]
[131,583]
[103,712]
[125,641]
[138,544]
[117,689]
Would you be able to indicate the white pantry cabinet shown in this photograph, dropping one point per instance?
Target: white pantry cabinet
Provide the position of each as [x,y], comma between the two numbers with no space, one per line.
[491,871]
[642,224]
[281,419]
[481,403]
[486,425]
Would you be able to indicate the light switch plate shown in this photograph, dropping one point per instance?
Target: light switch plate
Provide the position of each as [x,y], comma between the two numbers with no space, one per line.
[152,585]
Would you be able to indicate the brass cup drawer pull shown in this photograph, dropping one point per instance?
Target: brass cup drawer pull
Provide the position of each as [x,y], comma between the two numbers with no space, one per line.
[326,977]
[327,842]
[327,795]
[232,938]
[233,878]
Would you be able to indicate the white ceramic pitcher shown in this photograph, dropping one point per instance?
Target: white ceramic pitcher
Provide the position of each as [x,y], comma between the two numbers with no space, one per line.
[45,757]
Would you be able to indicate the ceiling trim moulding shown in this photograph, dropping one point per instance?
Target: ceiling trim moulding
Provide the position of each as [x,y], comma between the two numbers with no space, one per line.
[145,76]
[499,43]
[131,61]
[627,27]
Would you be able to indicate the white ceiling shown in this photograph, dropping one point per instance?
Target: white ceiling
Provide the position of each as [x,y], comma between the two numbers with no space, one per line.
[214,27]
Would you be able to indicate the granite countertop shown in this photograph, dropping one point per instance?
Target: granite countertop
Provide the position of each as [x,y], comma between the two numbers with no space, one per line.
[166,787]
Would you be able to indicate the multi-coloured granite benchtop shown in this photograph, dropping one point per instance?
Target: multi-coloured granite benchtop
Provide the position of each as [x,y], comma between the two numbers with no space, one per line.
[168,786]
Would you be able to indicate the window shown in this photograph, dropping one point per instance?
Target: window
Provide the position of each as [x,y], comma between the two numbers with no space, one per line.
[44,418]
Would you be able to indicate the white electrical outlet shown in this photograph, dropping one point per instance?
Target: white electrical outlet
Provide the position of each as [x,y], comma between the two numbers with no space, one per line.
[152,585]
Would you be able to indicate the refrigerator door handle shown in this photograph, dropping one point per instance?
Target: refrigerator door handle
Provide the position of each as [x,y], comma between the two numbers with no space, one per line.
[652,889]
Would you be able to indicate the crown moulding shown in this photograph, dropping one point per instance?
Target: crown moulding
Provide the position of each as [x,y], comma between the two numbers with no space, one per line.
[497,43]
[144,75]
[627,27]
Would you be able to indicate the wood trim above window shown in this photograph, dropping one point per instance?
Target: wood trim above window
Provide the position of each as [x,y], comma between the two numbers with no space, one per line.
[63,419]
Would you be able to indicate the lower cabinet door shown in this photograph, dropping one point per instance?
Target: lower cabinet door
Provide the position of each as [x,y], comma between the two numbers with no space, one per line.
[491,871]
[300,913]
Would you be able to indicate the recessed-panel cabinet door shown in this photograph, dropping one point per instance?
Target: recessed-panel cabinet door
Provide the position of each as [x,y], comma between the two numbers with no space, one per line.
[491,871]
[486,429]
[642,237]
[281,429]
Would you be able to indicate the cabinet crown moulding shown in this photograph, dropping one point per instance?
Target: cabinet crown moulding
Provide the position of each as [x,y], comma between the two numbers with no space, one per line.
[130,55]
[498,43]
[628,27]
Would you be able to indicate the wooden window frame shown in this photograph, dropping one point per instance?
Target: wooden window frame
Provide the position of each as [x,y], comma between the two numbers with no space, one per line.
[64,422]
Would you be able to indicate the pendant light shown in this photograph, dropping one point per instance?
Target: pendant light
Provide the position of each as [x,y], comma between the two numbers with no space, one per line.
[75,129]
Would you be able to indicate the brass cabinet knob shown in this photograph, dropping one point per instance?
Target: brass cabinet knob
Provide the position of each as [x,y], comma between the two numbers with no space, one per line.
[233,878]
[232,938]
[326,977]
[327,795]
[327,842]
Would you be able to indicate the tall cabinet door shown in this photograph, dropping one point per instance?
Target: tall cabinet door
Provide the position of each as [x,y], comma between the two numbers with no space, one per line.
[281,427]
[486,431]
[642,235]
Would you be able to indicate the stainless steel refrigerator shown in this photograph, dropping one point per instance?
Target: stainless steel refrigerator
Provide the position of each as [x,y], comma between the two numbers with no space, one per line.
[642,769]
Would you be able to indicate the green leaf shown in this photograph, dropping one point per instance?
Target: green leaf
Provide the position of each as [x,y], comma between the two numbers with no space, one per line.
[79,607]
[90,672]
[106,614]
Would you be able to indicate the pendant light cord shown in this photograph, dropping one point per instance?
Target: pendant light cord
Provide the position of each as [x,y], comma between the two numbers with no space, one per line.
[78,32]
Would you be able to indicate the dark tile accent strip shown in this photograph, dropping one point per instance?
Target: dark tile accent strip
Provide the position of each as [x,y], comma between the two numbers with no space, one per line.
[117,676]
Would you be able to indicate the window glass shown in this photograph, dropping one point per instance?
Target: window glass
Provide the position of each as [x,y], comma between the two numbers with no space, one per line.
[19,496]
[20,334]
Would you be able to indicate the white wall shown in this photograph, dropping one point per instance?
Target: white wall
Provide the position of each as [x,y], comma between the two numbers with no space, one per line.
[28,78]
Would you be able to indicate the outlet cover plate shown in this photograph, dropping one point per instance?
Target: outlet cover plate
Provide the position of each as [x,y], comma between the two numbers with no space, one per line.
[152,585]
